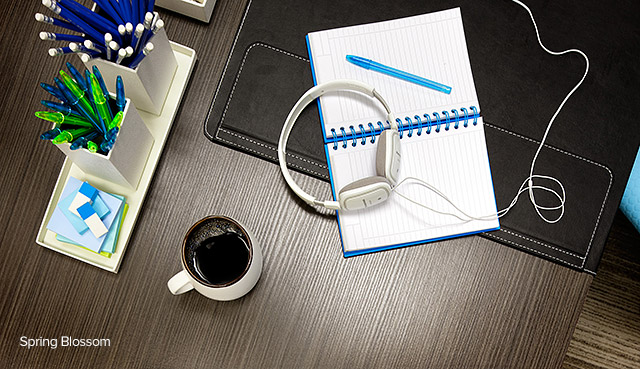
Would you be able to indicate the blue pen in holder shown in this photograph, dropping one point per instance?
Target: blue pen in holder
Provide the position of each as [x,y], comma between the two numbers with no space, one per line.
[149,82]
[125,162]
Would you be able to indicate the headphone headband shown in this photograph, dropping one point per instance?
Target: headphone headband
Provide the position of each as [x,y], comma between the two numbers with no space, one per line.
[312,94]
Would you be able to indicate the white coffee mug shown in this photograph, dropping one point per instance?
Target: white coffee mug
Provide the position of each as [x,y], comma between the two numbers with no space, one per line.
[220,259]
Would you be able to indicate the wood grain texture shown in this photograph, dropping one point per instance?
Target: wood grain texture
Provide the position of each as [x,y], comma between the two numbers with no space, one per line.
[462,303]
[608,332]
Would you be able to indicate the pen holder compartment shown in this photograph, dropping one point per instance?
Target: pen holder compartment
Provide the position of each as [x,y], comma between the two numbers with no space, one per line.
[198,9]
[124,164]
[148,84]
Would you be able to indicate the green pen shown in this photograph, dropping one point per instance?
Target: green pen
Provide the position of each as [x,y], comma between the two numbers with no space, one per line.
[116,121]
[70,135]
[78,93]
[59,118]
[99,100]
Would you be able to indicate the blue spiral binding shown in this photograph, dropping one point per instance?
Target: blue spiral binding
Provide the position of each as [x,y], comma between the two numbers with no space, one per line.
[456,119]
[428,123]
[446,114]
[362,133]
[435,113]
[417,118]
[466,116]
[353,136]
[373,132]
[344,138]
[409,125]
[335,138]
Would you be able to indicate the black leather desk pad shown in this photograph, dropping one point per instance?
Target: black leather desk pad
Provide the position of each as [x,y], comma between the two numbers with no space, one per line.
[519,88]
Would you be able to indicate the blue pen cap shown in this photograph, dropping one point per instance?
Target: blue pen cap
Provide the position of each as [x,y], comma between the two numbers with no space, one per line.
[60,108]
[89,91]
[120,98]
[103,86]
[77,76]
[50,134]
[71,99]
[53,91]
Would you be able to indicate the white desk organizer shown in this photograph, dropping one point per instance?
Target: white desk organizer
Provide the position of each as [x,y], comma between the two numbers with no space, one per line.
[159,126]
[191,8]
[123,165]
[148,84]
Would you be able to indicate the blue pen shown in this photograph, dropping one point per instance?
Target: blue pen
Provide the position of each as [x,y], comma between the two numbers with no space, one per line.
[77,76]
[71,17]
[90,95]
[94,19]
[57,22]
[110,10]
[137,34]
[120,98]
[107,39]
[126,9]
[51,36]
[375,66]
[50,134]
[54,92]
[60,108]
[142,10]
[82,141]
[73,101]
[148,19]
[146,51]
[109,139]
[94,47]
[57,51]
[135,12]
[150,5]
[103,86]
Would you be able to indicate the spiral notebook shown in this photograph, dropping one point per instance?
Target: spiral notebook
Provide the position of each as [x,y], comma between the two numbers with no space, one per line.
[442,135]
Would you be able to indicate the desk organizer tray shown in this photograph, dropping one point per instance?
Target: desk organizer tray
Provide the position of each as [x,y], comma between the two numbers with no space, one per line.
[159,126]
[590,147]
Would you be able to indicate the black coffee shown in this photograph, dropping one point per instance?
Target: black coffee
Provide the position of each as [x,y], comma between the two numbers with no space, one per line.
[220,259]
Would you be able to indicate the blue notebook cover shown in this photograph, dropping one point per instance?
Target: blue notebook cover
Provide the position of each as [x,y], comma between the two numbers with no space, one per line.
[630,204]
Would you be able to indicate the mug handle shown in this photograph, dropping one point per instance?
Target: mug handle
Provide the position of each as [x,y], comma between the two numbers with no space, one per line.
[179,283]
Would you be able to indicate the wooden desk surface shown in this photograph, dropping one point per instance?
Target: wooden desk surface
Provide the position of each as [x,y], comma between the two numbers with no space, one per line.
[464,303]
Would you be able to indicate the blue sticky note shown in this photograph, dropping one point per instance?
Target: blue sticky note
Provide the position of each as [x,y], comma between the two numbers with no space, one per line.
[100,207]
[109,244]
[61,225]
[80,226]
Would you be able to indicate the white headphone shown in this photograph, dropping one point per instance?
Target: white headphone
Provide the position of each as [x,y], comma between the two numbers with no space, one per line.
[364,192]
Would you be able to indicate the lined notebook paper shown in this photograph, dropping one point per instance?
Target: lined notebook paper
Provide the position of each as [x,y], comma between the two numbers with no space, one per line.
[442,136]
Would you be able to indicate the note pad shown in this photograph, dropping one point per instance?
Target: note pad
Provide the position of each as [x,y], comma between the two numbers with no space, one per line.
[442,135]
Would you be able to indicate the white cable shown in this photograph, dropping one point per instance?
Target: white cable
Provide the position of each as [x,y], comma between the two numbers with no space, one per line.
[544,137]
[527,184]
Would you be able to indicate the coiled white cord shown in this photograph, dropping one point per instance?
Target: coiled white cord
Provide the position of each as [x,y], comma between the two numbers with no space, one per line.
[528,184]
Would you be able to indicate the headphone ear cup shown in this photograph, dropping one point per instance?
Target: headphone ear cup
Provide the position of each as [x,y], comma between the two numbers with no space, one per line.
[388,155]
[364,193]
